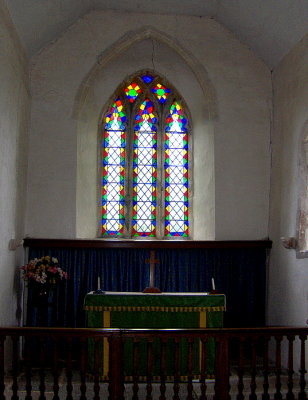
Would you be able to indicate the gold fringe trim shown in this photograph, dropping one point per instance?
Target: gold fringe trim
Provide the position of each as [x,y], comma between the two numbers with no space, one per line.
[154,308]
[184,378]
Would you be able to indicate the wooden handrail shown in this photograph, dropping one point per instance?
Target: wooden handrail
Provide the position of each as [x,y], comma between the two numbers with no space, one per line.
[39,341]
[91,332]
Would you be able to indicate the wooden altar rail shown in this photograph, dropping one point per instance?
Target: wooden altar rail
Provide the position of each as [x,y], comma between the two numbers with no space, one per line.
[245,350]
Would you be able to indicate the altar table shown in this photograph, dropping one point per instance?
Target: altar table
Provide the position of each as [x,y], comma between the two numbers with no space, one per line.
[156,311]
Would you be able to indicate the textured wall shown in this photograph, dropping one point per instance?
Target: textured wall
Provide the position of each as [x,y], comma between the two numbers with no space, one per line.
[231,160]
[14,117]
[288,279]
[99,86]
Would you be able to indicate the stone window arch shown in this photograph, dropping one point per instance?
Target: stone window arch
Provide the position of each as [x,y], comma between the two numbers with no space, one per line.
[191,80]
[145,173]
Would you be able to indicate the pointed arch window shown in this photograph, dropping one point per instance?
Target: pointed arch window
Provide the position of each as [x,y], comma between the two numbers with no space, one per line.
[145,162]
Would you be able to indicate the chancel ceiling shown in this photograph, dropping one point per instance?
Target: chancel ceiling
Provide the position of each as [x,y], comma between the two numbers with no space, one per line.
[269,27]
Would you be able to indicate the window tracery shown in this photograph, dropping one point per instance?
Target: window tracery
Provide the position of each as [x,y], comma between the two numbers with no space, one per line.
[144,162]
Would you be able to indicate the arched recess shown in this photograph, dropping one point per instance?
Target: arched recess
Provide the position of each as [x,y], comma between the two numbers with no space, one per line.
[127,41]
[302,223]
[146,48]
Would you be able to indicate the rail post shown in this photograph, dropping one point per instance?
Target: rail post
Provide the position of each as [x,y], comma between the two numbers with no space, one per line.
[116,378]
[222,369]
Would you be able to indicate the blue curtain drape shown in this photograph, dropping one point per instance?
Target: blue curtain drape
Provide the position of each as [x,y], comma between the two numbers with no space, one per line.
[240,273]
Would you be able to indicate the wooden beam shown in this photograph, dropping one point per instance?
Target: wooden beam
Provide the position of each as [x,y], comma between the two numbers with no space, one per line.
[146,244]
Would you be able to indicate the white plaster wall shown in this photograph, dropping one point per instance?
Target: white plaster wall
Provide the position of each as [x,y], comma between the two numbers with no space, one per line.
[104,81]
[14,118]
[238,138]
[288,276]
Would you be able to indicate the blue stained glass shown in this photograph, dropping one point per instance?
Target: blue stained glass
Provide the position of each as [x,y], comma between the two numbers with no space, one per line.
[147,78]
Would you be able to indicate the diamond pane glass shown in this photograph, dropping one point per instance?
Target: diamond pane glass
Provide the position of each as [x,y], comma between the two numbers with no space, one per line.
[113,171]
[144,174]
[176,173]
[144,171]
[176,211]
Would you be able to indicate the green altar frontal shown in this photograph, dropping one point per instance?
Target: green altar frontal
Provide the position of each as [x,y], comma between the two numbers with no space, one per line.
[154,311]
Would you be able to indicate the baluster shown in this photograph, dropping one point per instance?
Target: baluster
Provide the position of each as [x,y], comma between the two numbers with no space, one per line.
[15,340]
[42,374]
[83,387]
[96,368]
[176,385]
[302,383]
[149,369]
[135,369]
[253,385]
[240,385]
[189,369]
[28,370]
[55,368]
[278,395]
[163,346]
[69,386]
[290,395]
[2,385]
[265,395]
[203,386]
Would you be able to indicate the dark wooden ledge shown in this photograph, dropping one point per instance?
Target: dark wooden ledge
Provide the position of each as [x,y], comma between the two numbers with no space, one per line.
[148,244]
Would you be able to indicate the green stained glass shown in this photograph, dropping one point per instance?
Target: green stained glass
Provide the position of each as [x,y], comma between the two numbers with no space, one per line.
[113,171]
[132,91]
[144,171]
[176,173]
[176,122]
[161,92]
[146,124]
[116,118]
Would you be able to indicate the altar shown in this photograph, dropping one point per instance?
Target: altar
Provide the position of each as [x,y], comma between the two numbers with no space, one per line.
[156,311]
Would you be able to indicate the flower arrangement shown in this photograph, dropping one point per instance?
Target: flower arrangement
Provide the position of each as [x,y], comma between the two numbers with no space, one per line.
[44,270]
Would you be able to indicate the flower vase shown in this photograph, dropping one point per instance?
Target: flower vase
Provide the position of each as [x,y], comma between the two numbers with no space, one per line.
[39,294]
[40,300]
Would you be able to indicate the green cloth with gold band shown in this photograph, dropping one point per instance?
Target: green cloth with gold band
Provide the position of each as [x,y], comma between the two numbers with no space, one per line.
[154,311]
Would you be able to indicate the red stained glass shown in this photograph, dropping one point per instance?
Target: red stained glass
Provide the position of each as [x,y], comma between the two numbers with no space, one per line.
[146,124]
[176,173]
[113,171]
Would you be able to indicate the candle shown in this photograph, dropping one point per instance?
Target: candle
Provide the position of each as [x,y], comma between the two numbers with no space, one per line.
[98,283]
[213,284]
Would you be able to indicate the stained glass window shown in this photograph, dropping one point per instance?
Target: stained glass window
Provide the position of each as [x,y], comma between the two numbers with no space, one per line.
[132,91]
[145,170]
[147,78]
[113,161]
[176,173]
[161,92]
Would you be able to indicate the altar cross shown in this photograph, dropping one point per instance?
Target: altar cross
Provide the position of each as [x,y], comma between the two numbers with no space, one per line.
[152,261]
